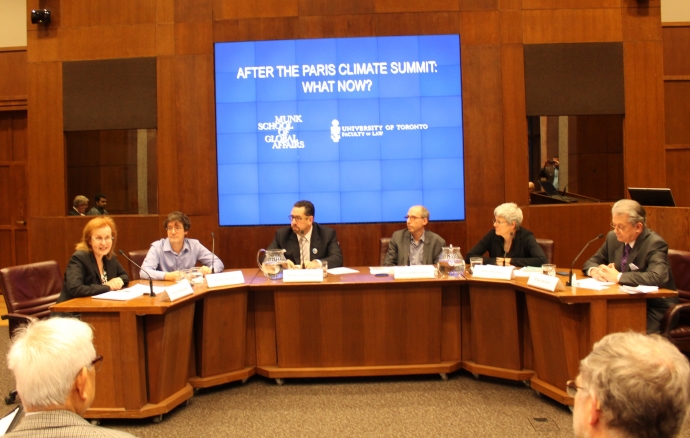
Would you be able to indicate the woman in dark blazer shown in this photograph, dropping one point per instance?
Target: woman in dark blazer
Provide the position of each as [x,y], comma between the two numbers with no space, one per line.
[93,269]
[509,241]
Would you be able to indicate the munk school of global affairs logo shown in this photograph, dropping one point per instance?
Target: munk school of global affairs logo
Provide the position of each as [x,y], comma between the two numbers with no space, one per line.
[282,139]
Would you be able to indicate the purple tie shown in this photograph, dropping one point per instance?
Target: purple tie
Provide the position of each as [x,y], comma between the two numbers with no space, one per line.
[624,259]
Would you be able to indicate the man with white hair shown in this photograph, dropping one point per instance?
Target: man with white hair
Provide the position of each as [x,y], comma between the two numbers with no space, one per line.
[634,255]
[414,245]
[54,365]
[631,385]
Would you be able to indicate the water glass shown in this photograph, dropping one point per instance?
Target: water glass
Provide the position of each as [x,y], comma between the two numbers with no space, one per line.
[474,261]
[195,276]
[324,266]
[548,269]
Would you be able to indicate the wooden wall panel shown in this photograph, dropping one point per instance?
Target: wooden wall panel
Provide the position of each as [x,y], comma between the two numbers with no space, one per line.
[483,126]
[570,226]
[48,240]
[386,6]
[6,245]
[572,26]
[677,112]
[46,159]
[570,4]
[327,7]
[673,224]
[19,144]
[336,26]
[677,175]
[268,29]
[232,9]
[676,49]
[108,42]
[13,74]
[195,138]
[6,148]
[167,144]
[511,27]
[425,23]
[193,10]
[193,38]
[645,163]
[514,123]
[641,24]
[43,45]
[479,28]
[105,13]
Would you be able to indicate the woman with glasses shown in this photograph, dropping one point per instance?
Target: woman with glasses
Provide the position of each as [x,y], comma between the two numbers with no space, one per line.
[168,256]
[508,243]
[93,269]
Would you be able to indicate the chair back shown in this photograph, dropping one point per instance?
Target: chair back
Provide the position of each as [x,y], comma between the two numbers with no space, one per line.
[31,289]
[547,247]
[680,268]
[138,256]
[383,249]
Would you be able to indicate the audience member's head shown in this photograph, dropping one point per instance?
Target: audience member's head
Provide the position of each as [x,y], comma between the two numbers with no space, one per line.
[80,203]
[631,385]
[53,364]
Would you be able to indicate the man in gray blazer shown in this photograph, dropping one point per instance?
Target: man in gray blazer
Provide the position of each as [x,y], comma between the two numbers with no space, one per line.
[415,245]
[634,255]
[54,364]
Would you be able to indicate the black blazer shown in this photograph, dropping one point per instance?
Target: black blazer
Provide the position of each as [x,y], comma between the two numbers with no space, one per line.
[525,251]
[82,278]
[323,240]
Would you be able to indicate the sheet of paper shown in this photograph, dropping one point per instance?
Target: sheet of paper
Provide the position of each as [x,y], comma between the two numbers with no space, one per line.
[638,289]
[119,295]
[527,271]
[592,284]
[341,271]
[302,275]
[225,279]
[412,272]
[10,420]
[373,270]
[144,288]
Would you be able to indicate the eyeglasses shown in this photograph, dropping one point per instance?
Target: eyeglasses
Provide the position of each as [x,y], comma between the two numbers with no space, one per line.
[96,364]
[620,227]
[174,229]
[99,239]
[571,388]
[497,222]
[296,218]
[414,218]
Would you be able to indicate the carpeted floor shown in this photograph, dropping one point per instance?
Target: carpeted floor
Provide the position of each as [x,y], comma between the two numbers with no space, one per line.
[420,406]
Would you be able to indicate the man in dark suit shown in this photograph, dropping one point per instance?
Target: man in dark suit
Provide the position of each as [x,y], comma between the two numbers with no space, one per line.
[634,255]
[305,241]
[415,245]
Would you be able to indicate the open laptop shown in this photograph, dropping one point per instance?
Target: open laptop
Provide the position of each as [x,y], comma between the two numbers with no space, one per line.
[554,193]
[660,197]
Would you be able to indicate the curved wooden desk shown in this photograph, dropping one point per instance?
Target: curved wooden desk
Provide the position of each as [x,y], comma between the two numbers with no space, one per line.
[357,325]
[522,333]
[147,344]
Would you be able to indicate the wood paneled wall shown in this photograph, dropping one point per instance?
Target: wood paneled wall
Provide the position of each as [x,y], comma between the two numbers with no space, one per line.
[181,33]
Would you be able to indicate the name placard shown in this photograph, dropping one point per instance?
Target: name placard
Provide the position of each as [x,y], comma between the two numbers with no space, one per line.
[178,290]
[493,272]
[303,275]
[410,272]
[224,279]
[545,282]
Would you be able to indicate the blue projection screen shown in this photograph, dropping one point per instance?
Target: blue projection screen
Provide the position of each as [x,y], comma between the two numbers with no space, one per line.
[362,127]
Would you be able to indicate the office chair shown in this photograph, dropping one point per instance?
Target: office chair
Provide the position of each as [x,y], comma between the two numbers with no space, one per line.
[29,291]
[547,247]
[679,334]
[383,249]
[138,256]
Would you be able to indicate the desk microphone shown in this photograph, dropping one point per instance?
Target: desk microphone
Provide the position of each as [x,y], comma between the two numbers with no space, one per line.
[153,294]
[213,253]
[570,277]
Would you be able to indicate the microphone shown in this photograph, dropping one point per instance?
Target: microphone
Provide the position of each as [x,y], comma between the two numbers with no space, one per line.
[570,277]
[213,253]
[122,253]
[565,190]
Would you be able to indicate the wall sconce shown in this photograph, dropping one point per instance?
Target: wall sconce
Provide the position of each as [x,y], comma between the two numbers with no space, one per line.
[40,16]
